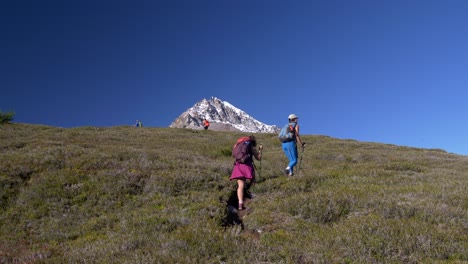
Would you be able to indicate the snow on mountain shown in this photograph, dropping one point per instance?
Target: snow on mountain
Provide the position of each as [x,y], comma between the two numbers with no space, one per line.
[223,116]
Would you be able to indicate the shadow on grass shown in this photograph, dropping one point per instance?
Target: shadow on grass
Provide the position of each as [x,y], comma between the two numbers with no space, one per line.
[264,178]
[233,215]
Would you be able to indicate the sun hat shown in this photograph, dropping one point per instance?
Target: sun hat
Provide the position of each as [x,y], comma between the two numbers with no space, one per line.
[292,116]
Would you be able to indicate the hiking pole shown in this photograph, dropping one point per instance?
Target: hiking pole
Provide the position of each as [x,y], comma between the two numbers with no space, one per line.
[260,172]
[300,160]
[255,167]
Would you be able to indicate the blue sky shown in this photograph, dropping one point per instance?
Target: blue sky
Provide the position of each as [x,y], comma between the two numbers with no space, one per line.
[376,71]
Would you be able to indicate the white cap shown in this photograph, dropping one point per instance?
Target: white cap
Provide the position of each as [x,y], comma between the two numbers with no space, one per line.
[292,116]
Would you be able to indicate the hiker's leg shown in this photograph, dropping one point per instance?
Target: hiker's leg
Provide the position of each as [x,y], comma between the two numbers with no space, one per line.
[287,152]
[291,152]
[293,161]
[240,190]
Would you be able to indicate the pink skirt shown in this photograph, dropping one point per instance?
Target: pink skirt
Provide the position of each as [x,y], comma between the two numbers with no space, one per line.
[243,171]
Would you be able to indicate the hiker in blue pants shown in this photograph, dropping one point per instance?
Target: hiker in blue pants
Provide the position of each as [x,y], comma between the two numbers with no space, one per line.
[290,150]
[290,147]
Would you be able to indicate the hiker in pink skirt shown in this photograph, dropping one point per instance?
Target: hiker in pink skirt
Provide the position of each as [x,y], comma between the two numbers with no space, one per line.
[243,151]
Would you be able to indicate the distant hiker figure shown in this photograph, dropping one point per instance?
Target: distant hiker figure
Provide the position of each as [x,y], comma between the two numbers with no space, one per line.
[289,136]
[138,123]
[206,124]
[243,151]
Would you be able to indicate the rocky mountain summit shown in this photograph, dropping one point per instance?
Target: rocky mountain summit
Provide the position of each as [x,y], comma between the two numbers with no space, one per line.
[223,116]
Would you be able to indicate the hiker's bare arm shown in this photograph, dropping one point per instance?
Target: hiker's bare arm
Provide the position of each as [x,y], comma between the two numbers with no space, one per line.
[298,138]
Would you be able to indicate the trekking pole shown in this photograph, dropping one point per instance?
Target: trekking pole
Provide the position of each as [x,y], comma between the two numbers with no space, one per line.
[300,160]
[260,172]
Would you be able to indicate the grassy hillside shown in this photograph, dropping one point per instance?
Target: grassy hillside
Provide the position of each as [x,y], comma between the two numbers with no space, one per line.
[159,195]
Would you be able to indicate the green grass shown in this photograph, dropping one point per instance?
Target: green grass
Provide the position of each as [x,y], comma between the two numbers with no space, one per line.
[158,195]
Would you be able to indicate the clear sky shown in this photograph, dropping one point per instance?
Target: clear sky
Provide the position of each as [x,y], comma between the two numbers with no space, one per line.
[387,71]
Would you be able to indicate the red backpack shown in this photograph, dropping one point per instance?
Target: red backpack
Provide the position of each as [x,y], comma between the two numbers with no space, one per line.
[241,150]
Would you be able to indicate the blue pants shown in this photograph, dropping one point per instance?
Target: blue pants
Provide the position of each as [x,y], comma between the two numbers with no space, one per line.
[290,150]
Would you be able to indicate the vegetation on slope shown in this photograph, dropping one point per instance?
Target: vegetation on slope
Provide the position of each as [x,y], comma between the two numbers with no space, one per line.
[158,195]
[6,117]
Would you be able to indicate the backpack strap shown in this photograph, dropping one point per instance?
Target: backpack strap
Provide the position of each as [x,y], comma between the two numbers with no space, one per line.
[292,127]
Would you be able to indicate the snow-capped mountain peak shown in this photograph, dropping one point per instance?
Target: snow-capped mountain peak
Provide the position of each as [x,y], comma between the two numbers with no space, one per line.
[223,116]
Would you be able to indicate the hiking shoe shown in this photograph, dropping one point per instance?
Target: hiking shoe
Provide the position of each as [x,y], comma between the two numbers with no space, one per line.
[290,173]
[241,206]
[286,172]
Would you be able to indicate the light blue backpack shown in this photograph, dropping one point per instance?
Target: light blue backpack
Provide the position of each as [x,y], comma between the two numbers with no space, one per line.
[287,133]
